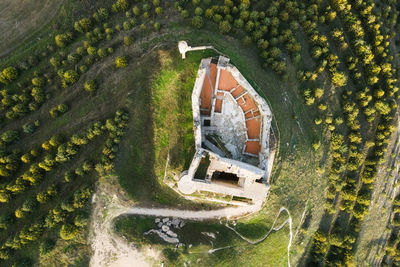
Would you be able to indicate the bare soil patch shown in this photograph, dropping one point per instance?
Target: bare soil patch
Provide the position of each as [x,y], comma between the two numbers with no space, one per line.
[19,20]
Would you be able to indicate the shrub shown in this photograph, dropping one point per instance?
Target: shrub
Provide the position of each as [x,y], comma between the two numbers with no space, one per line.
[102,53]
[157,26]
[198,11]
[63,39]
[28,128]
[81,220]
[322,107]
[319,92]
[128,40]
[38,82]
[121,62]
[120,5]
[62,108]
[68,231]
[69,176]
[136,11]
[26,158]
[29,205]
[90,86]
[70,76]
[159,10]
[83,68]
[4,195]
[19,213]
[184,14]
[339,79]
[101,14]
[91,51]
[382,107]
[9,136]
[225,26]
[316,145]
[318,121]
[83,25]
[8,74]
[197,22]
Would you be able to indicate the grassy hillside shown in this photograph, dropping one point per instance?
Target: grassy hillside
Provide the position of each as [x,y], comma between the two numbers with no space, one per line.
[70,114]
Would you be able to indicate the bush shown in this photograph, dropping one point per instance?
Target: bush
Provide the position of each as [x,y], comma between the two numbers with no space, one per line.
[120,5]
[159,10]
[91,51]
[157,26]
[197,22]
[63,39]
[28,128]
[9,136]
[70,76]
[102,53]
[83,25]
[198,11]
[121,62]
[19,213]
[26,158]
[90,86]
[316,145]
[5,196]
[185,14]
[81,220]
[225,26]
[8,74]
[68,231]
[136,11]
[38,81]
[339,79]
[128,40]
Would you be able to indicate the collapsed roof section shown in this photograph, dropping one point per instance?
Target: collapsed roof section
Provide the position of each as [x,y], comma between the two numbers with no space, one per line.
[232,130]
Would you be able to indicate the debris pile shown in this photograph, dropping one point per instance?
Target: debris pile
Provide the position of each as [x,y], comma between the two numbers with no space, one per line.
[165,226]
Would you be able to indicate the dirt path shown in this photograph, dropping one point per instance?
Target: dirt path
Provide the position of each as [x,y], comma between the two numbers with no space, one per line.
[200,215]
[109,249]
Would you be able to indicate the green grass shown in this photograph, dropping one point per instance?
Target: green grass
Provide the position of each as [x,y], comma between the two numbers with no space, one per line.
[161,128]
[271,252]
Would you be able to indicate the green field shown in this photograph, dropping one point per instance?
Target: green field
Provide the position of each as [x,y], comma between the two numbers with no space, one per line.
[271,252]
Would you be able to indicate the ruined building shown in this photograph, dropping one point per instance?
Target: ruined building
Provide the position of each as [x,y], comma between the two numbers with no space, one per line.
[232,134]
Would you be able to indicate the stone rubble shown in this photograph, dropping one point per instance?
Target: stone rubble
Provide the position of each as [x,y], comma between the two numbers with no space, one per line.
[164,231]
[165,228]
[212,235]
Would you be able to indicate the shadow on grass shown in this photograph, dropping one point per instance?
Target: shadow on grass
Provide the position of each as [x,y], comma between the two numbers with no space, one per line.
[134,162]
